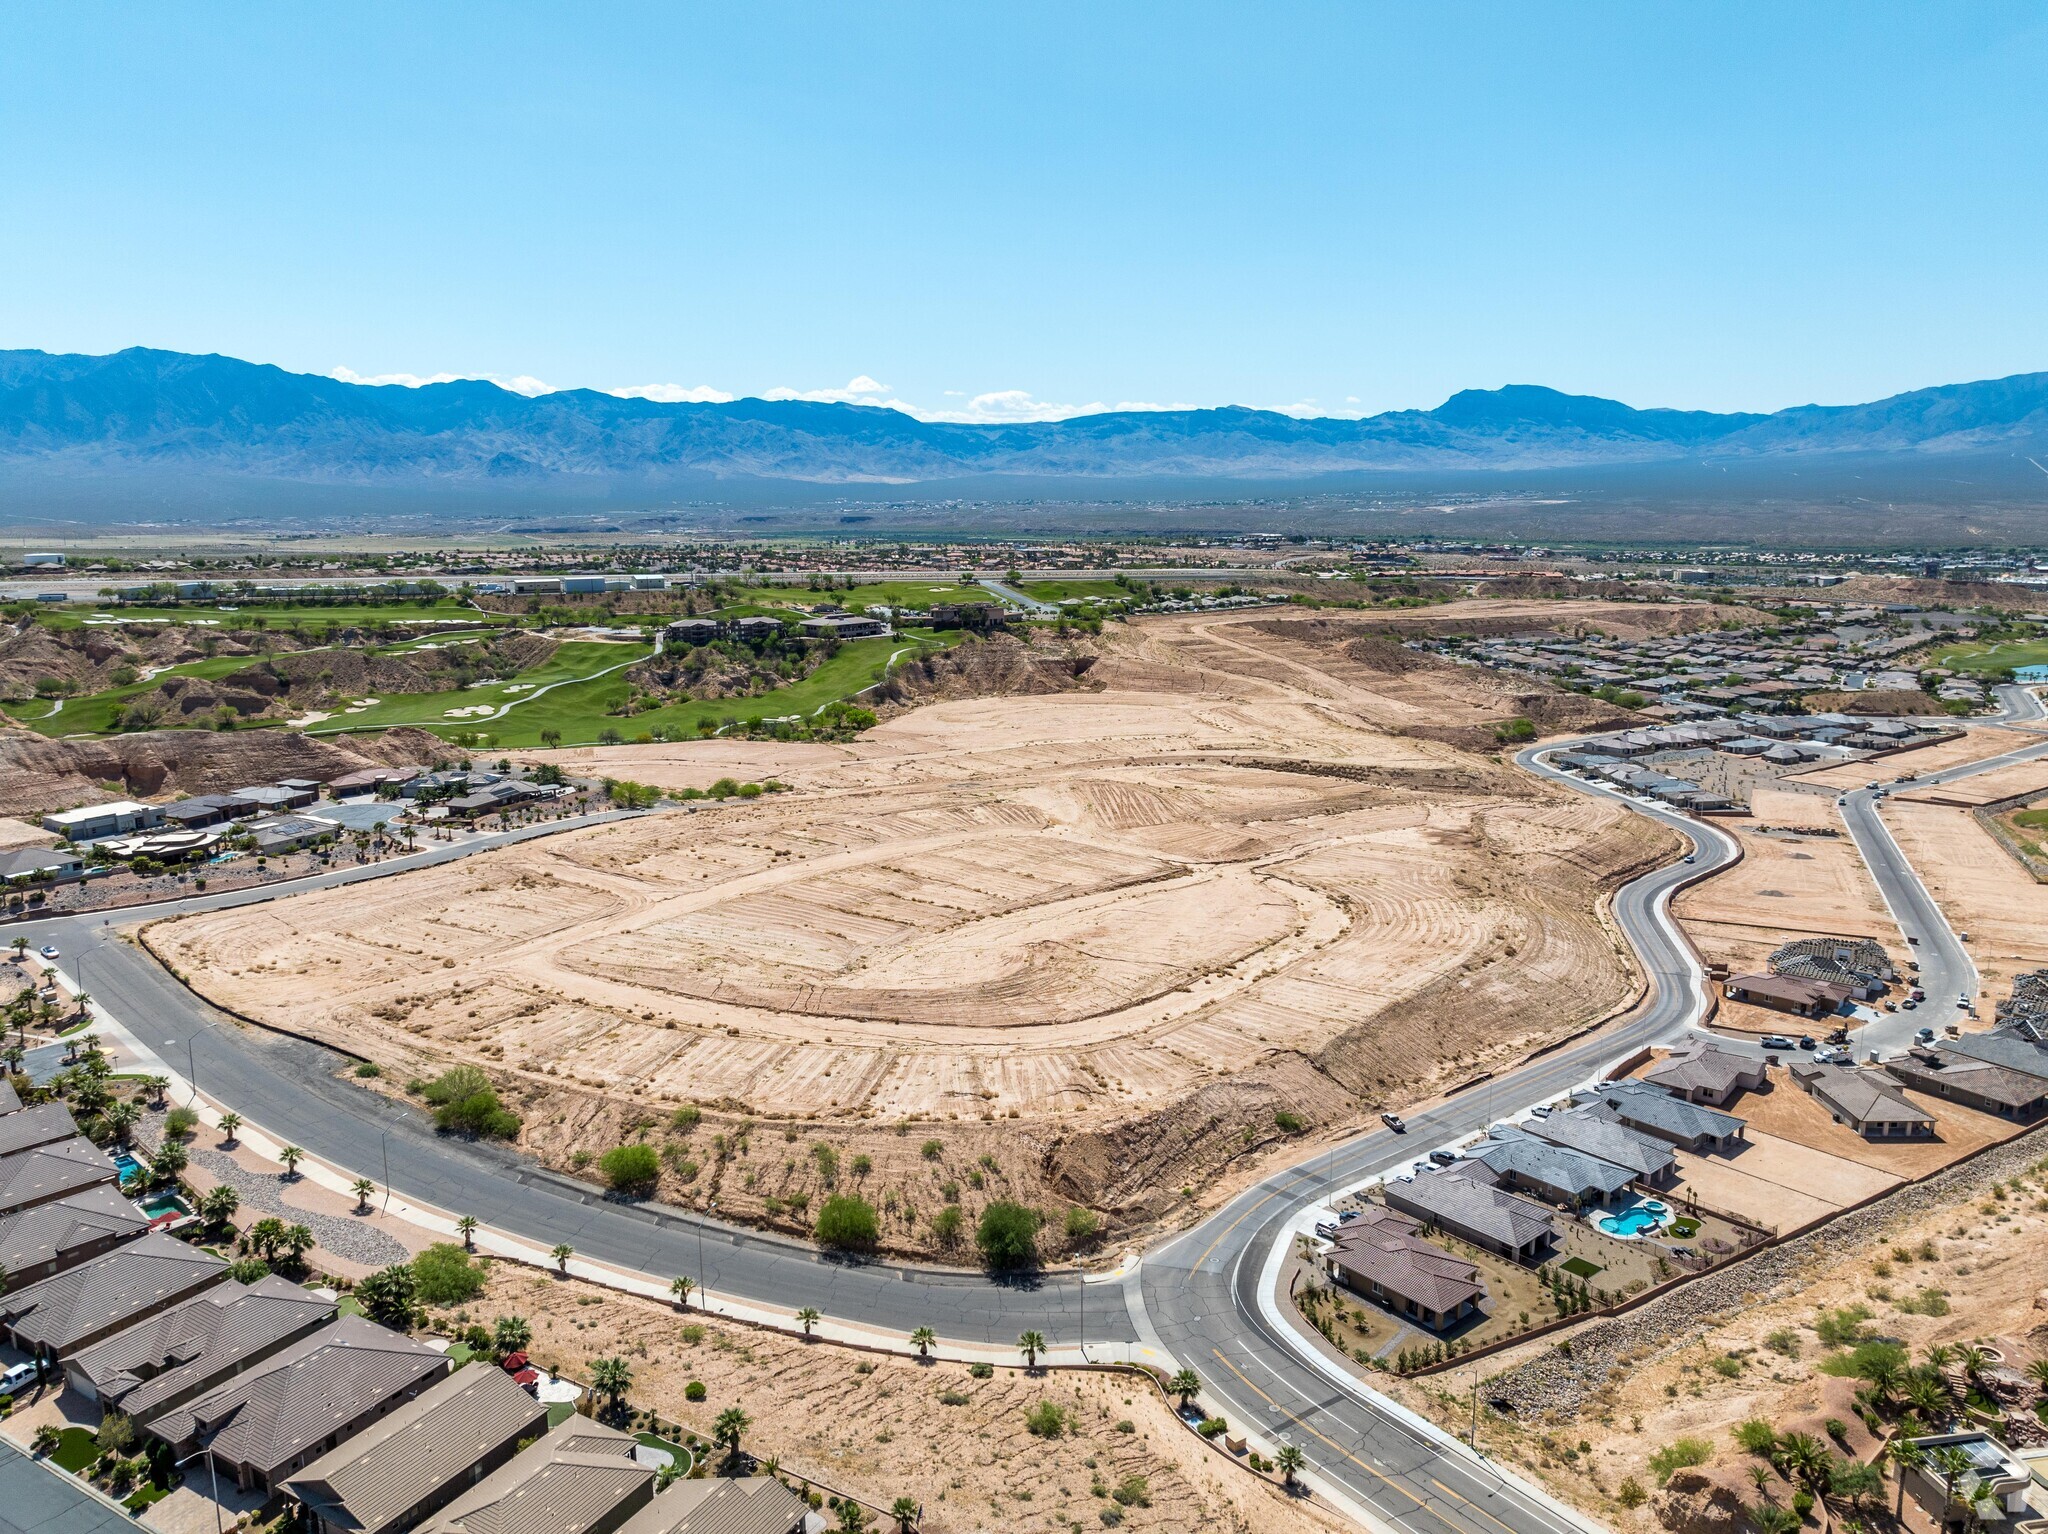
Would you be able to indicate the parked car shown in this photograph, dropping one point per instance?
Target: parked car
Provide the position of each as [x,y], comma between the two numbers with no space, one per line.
[1891,1006]
[48,950]
[1909,1004]
[1393,1122]
[1443,1157]
[1807,1041]
[1924,1036]
[1690,858]
[1777,1041]
[1918,994]
[1543,1112]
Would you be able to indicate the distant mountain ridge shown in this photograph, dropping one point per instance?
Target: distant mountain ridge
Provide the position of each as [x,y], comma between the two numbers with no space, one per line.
[141,411]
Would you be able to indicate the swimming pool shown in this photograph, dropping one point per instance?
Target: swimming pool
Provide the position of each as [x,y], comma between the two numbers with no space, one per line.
[126,1165]
[1638,1221]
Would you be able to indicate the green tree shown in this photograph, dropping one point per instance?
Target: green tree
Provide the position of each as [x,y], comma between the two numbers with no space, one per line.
[511,1334]
[1031,1344]
[680,1287]
[217,1206]
[1290,1459]
[729,1428]
[387,1296]
[809,1317]
[904,1511]
[444,1275]
[1007,1236]
[923,1340]
[853,1518]
[630,1168]
[611,1378]
[848,1223]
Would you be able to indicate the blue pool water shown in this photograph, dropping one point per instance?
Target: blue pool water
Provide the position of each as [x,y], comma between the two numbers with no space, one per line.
[126,1165]
[1630,1222]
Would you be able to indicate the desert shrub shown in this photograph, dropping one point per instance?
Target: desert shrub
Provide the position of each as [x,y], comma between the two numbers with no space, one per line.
[946,1225]
[982,1371]
[1289,1123]
[464,1103]
[444,1275]
[369,1070]
[1756,1436]
[1784,1340]
[1679,1454]
[1210,1427]
[180,1122]
[1133,1491]
[848,1223]
[694,1391]
[1842,1327]
[1007,1236]
[630,1167]
[1082,1224]
[1630,1493]
[1928,1302]
[1727,1366]
[685,1118]
[1046,1420]
[1866,1360]
[248,1270]
[931,1150]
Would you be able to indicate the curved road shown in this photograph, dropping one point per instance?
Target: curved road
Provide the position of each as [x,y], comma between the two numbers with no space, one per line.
[1205,1298]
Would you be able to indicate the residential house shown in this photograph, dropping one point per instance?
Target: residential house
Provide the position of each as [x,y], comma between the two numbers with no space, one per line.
[274,1419]
[97,820]
[48,1238]
[1652,1111]
[203,810]
[10,1100]
[1525,1164]
[50,865]
[399,1471]
[1382,1256]
[581,1478]
[58,1316]
[692,631]
[275,798]
[1787,993]
[1986,1489]
[369,780]
[1706,1073]
[278,834]
[751,1504]
[1859,963]
[44,1124]
[1984,1085]
[754,629]
[1869,1102]
[2010,1047]
[1460,1201]
[1651,1161]
[55,1171]
[844,626]
[176,1355]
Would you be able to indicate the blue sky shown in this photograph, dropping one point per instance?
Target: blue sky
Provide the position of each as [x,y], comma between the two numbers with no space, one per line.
[1338,209]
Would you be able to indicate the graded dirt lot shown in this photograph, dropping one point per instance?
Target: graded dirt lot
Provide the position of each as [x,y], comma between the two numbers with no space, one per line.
[1785,886]
[1980,889]
[2000,783]
[1955,751]
[1091,943]
[883,1427]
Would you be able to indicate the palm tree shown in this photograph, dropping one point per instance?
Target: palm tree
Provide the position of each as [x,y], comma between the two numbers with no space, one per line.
[296,1242]
[1290,1459]
[362,1187]
[1926,1394]
[680,1287]
[20,946]
[510,1334]
[729,1428]
[291,1156]
[808,1317]
[853,1518]
[81,1003]
[2037,1371]
[611,1378]
[229,1123]
[1771,1519]
[904,1511]
[1031,1344]
[1905,1455]
[1761,1476]
[218,1205]
[562,1253]
[120,1121]
[466,1228]
[1187,1385]
[923,1339]
[1807,1458]
[157,1085]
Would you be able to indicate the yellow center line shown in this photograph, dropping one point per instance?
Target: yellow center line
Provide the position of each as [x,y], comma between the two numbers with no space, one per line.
[1482,1512]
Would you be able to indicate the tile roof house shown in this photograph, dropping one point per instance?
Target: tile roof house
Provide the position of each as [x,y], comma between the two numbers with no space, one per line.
[180,1353]
[1869,1102]
[1788,993]
[579,1479]
[1525,1164]
[2008,1047]
[295,1406]
[1583,1130]
[48,1238]
[1984,1085]
[10,1100]
[68,1311]
[1860,963]
[753,1504]
[1652,1111]
[32,1177]
[1706,1073]
[1455,1200]
[44,1124]
[1382,1256]
[421,1457]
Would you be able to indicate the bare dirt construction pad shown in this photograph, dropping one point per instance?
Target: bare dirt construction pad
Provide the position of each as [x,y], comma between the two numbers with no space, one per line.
[1778,1182]
[1786,1113]
[1089,944]
[1785,887]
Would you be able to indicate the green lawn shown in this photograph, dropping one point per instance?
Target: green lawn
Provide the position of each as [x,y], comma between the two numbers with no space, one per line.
[77,1448]
[1578,1267]
[93,714]
[1060,591]
[281,615]
[1981,657]
[578,663]
[560,1412]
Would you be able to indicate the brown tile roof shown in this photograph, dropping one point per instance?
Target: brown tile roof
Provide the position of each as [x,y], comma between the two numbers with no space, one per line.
[581,1476]
[179,1353]
[269,1416]
[44,1124]
[396,1466]
[755,1504]
[1384,1248]
[51,1171]
[51,1232]
[1867,1097]
[74,1308]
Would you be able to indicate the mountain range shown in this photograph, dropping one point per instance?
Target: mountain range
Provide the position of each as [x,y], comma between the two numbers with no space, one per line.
[144,412]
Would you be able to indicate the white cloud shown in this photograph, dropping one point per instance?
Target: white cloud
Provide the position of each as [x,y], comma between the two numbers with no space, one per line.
[523,384]
[675,394]
[1002,406]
